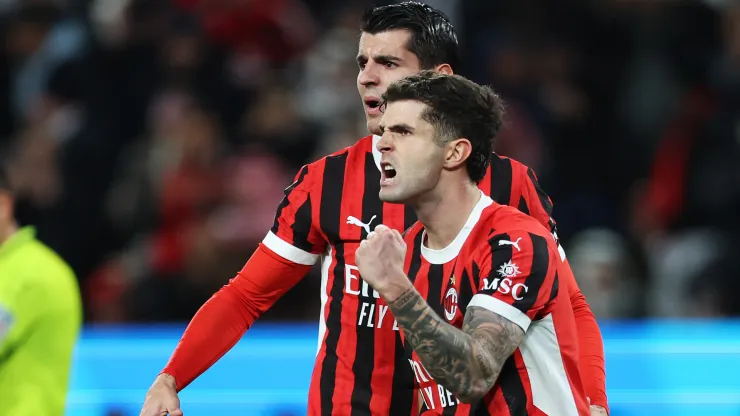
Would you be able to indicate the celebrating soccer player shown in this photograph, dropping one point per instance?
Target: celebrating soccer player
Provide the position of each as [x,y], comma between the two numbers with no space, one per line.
[331,207]
[489,273]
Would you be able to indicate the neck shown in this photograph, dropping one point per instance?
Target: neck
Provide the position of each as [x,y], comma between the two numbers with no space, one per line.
[8,231]
[444,215]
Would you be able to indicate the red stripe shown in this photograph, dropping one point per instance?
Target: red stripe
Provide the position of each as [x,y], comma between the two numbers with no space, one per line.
[385,345]
[314,392]
[351,205]
[565,326]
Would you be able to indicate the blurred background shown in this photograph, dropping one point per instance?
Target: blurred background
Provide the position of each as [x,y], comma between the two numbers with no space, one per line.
[150,142]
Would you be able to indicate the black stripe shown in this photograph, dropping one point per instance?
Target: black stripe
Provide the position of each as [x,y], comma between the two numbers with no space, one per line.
[329,216]
[437,279]
[403,378]
[365,349]
[416,256]
[409,217]
[466,289]
[537,273]
[284,203]
[501,180]
[544,199]
[302,226]
[523,205]
[450,410]
[402,399]
[480,408]
[512,388]
[555,288]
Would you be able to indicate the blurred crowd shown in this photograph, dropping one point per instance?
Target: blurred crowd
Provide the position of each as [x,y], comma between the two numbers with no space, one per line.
[150,140]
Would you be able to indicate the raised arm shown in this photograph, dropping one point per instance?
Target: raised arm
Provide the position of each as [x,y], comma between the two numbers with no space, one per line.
[468,361]
[281,261]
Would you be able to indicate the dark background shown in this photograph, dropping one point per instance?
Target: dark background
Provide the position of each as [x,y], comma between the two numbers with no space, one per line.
[150,140]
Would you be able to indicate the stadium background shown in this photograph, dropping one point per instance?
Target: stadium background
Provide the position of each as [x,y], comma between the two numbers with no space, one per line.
[150,141]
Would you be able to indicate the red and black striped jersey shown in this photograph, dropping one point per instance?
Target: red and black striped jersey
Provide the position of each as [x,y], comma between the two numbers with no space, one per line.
[506,262]
[361,367]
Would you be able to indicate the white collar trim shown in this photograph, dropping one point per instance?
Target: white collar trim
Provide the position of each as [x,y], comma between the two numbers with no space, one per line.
[448,253]
[376,152]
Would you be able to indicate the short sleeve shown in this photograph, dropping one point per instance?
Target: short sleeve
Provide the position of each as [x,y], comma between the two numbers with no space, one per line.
[293,235]
[516,277]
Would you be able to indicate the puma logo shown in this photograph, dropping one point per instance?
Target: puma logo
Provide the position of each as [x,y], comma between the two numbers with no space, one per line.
[354,221]
[511,243]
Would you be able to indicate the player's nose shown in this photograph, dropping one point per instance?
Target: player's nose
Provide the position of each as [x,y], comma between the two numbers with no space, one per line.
[384,145]
[369,75]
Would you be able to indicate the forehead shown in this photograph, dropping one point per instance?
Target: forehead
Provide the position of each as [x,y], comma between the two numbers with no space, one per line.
[390,42]
[404,112]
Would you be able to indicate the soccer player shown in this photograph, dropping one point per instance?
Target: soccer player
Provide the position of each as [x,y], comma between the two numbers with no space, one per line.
[40,318]
[360,365]
[480,274]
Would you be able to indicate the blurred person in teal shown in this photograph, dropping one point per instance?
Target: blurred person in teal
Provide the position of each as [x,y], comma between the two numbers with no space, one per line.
[40,318]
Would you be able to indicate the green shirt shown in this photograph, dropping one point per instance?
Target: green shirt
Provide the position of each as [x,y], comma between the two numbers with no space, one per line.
[40,318]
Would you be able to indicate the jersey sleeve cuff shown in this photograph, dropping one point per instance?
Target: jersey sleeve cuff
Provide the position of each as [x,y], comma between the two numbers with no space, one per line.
[289,251]
[501,308]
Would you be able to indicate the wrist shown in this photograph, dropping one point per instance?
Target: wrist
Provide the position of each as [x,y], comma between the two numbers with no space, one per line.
[168,380]
[395,288]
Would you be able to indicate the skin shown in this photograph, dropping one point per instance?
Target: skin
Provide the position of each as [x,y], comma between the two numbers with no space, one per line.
[8,225]
[468,361]
[382,58]
[433,179]
[430,177]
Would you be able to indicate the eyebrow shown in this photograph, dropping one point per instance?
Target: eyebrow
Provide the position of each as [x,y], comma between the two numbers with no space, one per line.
[397,128]
[379,58]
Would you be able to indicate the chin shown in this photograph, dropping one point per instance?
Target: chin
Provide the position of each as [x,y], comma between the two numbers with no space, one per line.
[373,125]
[390,197]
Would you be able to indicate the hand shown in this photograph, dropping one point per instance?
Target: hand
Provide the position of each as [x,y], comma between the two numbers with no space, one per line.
[598,411]
[380,260]
[161,399]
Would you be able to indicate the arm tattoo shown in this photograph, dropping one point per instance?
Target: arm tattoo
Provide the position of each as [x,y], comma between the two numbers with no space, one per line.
[467,362]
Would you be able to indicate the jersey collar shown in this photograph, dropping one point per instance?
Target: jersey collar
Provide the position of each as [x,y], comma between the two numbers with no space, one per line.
[448,253]
[20,238]
[376,152]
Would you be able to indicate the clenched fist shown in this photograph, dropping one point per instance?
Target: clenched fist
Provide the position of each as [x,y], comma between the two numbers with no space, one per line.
[161,399]
[380,259]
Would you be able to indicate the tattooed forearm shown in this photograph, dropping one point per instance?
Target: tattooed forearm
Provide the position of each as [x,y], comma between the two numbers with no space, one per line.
[466,362]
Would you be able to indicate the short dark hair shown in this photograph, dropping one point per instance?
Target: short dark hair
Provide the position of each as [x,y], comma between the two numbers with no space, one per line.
[433,39]
[457,108]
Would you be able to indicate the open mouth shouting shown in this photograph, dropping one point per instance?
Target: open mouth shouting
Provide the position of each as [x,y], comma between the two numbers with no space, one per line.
[387,174]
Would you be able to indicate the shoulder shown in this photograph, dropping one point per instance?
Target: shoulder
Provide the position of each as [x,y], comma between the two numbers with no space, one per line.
[312,173]
[48,262]
[45,277]
[499,219]
[517,168]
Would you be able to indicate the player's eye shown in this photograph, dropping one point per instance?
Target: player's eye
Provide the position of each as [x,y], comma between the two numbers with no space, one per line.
[389,65]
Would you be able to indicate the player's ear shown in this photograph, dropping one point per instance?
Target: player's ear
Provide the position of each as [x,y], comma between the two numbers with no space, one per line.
[458,151]
[445,69]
